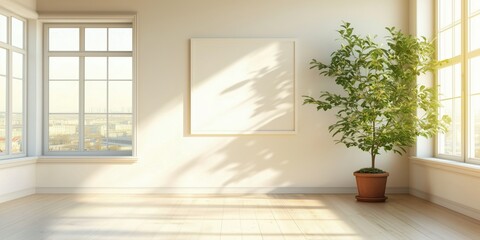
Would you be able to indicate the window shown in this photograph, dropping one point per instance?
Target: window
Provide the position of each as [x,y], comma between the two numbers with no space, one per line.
[12,85]
[458,42]
[89,98]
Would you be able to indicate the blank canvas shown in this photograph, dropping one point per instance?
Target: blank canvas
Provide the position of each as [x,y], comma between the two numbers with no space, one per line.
[242,86]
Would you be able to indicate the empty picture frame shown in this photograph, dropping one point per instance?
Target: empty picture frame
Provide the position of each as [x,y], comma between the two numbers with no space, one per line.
[242,86]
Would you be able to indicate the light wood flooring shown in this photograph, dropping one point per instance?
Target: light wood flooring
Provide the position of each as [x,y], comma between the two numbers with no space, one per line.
[210,217]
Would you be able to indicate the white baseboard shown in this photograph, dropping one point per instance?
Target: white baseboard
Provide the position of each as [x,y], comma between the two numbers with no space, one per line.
[280,190]
[455,206]
[17,194]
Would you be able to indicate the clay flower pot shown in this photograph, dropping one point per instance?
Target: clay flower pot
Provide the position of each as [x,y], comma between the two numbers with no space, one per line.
[371,186]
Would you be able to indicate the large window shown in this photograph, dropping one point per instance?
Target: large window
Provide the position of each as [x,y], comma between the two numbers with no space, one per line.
[89,74]
[12,85]
[458,42]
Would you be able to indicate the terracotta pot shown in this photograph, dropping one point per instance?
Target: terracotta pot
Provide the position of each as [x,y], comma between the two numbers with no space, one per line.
[371,187]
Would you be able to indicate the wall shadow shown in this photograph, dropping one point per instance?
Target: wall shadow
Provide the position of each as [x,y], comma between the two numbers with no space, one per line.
[250,155]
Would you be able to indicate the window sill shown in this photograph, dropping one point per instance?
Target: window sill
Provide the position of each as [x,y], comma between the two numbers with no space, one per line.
[87,159]
[16,162]
[448,165]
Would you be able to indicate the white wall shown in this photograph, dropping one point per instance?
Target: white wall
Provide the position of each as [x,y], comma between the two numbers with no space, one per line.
[453,185]
[16,180]
[170,158]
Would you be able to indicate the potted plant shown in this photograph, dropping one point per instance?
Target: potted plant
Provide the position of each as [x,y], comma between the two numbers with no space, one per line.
[382,108]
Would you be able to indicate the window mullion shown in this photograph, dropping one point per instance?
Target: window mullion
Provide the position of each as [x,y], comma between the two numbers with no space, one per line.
[81,119]
[24,148]
[24,105]
[8,114]
[46,84]
[89,54]
[452,62]
[107,130]
[473,54]
[466,107]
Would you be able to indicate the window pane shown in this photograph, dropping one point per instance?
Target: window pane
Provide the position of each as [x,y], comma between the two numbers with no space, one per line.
[17,96]
[445,81]
[457,79]
[95,39]
[457,10]
[63,97]
[457,126]
[17,65]
[64,39]
[120,132]
[120,68]
[3,94]
[3,28]
[3,98]
[445,144]
[96,96]
[3,62]
[474,6]
[450,142]
[445,13]
[63,68]
[445,44]
[457,42]
[120,97]
[475,125]
[95,132]
[2,133]
[474,33]
[17,133]
[120,39]
[63,132]
[3,109]
[96,68]
[450,43]
[17,32]
[474,76]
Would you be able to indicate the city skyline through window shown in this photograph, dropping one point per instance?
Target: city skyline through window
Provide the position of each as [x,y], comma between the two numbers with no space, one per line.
[90,89]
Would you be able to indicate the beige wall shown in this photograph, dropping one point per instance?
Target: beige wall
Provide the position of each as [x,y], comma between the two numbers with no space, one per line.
[24,8]
[30,4]
[170,158]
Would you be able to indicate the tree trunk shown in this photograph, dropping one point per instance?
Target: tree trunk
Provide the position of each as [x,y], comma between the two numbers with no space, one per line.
[373,159]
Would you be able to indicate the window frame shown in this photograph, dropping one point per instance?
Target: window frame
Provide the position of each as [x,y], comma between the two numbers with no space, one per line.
[82,53]
[469,55]
[9,79]
[462,59]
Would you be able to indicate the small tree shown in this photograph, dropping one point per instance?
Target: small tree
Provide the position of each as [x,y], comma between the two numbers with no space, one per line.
[378,110]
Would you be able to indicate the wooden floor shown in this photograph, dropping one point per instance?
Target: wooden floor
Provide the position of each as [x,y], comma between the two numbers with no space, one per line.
[141,217]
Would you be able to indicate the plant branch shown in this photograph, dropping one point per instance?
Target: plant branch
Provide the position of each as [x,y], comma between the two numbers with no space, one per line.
[377,110]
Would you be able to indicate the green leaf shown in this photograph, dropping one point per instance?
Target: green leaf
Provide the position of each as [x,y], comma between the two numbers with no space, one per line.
[377,110]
